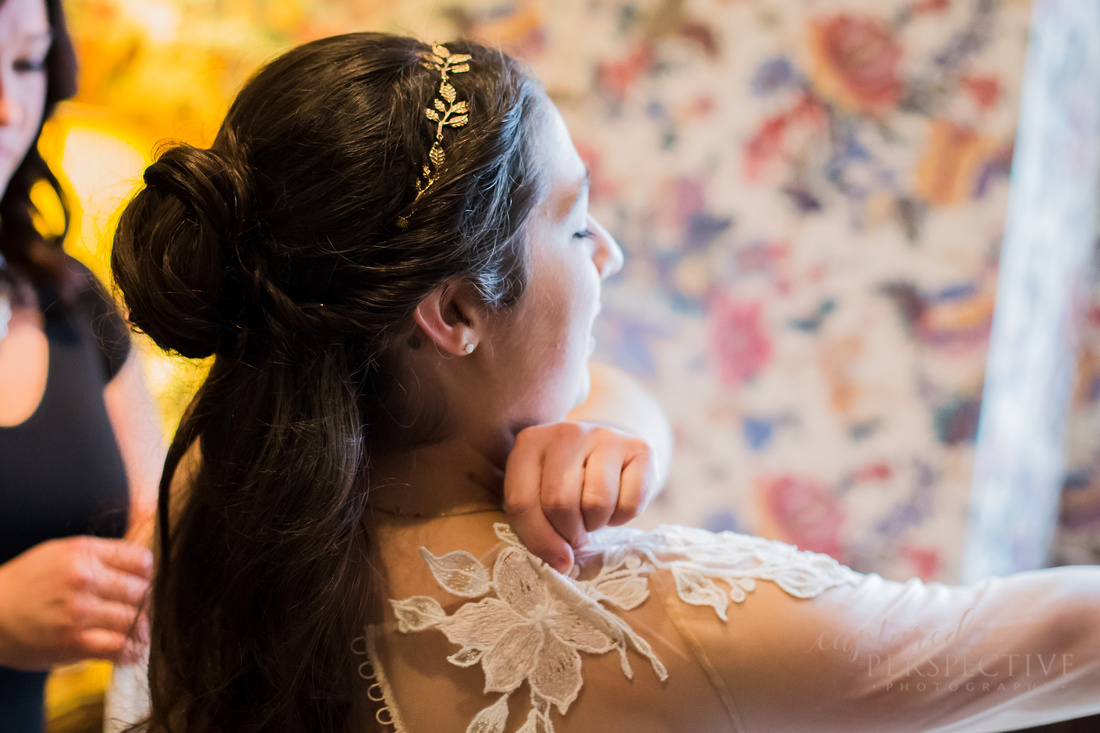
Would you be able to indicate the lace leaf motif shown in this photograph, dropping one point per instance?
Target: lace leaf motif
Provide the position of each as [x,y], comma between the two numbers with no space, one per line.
[535,623]
[418,614]
[459,573]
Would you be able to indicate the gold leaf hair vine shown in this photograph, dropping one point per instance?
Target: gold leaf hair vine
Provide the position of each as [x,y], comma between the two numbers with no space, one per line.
[446,111]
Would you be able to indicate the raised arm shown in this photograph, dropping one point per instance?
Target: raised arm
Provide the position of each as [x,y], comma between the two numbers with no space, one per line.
[879,655]
[618,400]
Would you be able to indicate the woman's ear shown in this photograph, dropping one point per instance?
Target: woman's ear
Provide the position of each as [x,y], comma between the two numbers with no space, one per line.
[451,317]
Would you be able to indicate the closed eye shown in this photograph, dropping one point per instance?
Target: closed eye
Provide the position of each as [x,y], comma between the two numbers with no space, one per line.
[29,65]
[32,52]
[585,234]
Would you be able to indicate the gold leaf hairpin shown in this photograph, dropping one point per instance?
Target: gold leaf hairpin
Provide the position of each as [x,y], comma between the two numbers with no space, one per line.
[446,111]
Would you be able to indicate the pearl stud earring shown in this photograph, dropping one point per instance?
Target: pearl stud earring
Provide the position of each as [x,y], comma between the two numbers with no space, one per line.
[469,348]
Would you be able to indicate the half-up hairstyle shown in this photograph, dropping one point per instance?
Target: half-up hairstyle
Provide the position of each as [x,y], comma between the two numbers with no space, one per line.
[277,250]
[30,253]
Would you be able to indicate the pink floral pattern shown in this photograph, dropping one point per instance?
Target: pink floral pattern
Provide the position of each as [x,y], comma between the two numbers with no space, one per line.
[856,62]
[796,506]
[739,340]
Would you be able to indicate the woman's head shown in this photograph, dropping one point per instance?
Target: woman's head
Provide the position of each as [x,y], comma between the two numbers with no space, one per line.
[24,45]
[286,230]
[38,70]
[281,250]
[301,225]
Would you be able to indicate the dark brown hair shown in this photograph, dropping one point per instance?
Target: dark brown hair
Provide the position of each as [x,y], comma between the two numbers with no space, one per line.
[277,250]
[37,257]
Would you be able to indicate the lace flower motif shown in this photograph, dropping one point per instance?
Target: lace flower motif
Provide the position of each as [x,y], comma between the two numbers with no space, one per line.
[536,623]
[532,631]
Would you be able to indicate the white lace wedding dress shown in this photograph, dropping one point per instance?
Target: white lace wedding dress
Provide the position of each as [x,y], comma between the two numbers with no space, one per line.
[685,630]
[694,632]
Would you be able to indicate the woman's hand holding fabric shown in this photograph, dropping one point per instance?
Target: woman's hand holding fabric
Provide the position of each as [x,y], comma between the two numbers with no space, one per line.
[566,479]
[73,598]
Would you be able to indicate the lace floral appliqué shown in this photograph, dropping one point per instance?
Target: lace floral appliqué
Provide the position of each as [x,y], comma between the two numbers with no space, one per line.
[697,560]
[532,623]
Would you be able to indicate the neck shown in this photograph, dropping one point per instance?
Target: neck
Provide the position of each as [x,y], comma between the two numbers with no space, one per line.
[455,476]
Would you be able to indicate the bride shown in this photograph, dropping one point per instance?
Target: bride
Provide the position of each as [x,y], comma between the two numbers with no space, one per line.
[375,514]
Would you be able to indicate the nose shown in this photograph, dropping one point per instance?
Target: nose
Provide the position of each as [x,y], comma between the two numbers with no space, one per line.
[10,111]
[607,254]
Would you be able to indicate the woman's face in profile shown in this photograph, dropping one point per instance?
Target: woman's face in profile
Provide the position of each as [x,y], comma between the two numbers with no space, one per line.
[549,332]
[24,42]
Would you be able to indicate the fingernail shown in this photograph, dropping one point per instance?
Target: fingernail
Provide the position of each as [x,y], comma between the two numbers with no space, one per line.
[564,562]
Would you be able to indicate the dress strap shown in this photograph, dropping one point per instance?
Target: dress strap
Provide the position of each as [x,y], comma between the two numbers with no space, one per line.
[698,653]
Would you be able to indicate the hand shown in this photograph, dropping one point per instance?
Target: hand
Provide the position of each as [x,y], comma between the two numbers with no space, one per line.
[566,479]
[73,598]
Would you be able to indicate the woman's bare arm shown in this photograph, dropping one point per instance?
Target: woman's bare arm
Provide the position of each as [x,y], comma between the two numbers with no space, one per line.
[134,421]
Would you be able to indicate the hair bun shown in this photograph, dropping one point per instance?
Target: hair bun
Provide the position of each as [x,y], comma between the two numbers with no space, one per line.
[210,182]
[175,254]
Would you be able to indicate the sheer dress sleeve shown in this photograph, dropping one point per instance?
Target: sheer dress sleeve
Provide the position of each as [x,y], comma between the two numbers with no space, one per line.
[679,629]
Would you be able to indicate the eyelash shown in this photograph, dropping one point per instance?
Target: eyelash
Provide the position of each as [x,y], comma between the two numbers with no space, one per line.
[29,65]
[586,234]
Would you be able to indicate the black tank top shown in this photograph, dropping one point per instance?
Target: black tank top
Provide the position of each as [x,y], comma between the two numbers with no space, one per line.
[61,473]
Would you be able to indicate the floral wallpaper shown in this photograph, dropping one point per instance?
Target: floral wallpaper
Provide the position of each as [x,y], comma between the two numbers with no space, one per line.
[815,194]
[811,195]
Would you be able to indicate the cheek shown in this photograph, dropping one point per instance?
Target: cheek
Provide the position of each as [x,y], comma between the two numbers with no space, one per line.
[552,342]
[32,98]
[36,100]
[577,300]
[580,300]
